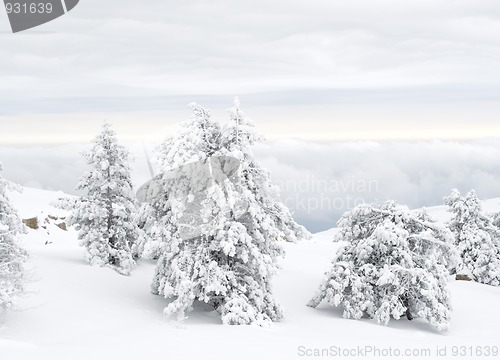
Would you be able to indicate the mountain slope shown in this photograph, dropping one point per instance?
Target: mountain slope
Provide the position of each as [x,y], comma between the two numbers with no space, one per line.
[75,311]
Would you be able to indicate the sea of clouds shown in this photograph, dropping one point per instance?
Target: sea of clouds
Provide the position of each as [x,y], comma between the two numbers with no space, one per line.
[318,181]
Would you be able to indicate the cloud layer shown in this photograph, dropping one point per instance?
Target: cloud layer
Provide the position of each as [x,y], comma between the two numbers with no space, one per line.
[318,181]
[321,181]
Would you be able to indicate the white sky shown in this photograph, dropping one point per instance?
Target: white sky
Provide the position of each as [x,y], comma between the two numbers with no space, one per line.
[316,70]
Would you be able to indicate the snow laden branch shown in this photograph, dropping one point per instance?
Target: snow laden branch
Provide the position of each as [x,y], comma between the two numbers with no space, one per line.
[380,214]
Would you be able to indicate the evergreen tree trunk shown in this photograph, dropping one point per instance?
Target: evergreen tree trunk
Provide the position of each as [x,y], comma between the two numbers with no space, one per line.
[406,304]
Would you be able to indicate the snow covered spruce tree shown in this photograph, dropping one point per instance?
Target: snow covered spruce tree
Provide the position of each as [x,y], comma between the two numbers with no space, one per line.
[476,238]
[12,256]
[390,263]
[221,230]
[104,215]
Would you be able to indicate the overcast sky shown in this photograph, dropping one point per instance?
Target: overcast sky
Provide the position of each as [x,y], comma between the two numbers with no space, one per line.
[316,70]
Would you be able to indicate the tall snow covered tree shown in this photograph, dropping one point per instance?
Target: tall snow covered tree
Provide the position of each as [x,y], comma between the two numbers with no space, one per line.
[476,238]
[220,228]
[104,215]
[12,256]
[390,263]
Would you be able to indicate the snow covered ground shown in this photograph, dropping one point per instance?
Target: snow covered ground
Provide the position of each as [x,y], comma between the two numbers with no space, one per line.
[75,311]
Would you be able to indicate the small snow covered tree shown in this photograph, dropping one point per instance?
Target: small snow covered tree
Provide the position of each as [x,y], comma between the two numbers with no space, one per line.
[476,238]
[390,263]
[12,256]
[104,215]
[220,225]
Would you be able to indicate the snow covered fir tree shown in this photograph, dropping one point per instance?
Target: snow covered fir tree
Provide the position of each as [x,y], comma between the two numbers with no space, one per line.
[220,221]
[391,263]
[477,239]
[12,256]
[105,214]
